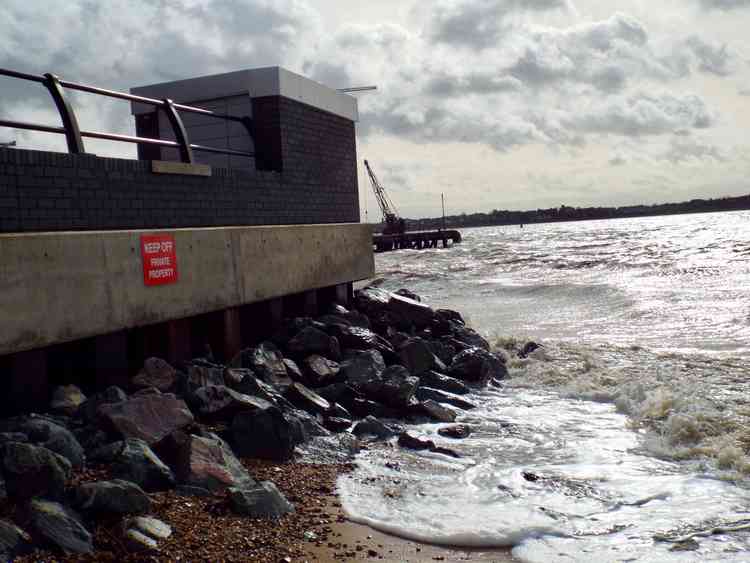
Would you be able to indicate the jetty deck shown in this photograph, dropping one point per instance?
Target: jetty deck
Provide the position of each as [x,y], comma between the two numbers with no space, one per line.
[417,239]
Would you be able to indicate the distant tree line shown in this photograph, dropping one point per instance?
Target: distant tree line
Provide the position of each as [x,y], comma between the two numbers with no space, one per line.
[565,213]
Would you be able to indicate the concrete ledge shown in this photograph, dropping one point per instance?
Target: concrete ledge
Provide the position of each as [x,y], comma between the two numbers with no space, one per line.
[58,287]
[182,168]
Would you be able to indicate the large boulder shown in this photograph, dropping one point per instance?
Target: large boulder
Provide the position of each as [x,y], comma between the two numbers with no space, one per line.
[372,427]
[204,464]
[417,356]
[311,340]
[264,433]
[219,401]
[306,399]
[66,399]
[13,541]
[88,411]
[201,372]
[362,367]
[476,365]
[427,393]
[469,337]
[261,501]
[320,371]
[293,370]
[435,411]
[43,431]
[372,301]
[411,312]
[137,462]
[442,382]
[394,388]
[267,362]
[341,393]
[156,373]
[33,471]
[243,381]
[336,423]
[111,497]
[54,524]
[412,442]
[150,417]
[358,338]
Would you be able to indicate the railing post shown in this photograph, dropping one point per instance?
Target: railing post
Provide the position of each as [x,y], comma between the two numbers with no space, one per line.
[69,121]
[181,136]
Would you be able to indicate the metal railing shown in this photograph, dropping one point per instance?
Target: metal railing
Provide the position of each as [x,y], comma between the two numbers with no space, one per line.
[74,135]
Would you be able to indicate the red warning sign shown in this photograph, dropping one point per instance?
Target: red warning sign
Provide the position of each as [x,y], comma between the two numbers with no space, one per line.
[159,259]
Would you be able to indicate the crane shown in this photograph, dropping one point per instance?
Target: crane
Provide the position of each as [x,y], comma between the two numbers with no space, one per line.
[394,224]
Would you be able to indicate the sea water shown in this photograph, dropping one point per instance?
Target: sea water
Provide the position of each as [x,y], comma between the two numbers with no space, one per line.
[626,437]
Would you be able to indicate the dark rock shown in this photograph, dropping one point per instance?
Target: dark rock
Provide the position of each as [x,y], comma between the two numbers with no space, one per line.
[311,340]
[91,438]
[425,393]
[262,501]
[146,391]
[442,382]
[205,463]
[200,373]
[476,365]
[268,363]
[6,437]
[469,337]
[42,431]
[310,425]
[306,399]
[412,312]
[13,541]
[113,394]
[342,393]
[149,418]
[398,339]
[443,349]
[339,411]
[219,401]
[243,381]
[263,433]
[358,338]
[366,407]
[395,388]
[54,524]
[156,373]
[320,371]
[107,453]
[437,412]
[293,371]
[371,426]
[66,399]
[528,348]
[362,367]
[417,356]
[372,301]
[455,431]
[30,471]
[450,316]
[111,497]
[136,462]
[403,292]
[407,440]
[336,424]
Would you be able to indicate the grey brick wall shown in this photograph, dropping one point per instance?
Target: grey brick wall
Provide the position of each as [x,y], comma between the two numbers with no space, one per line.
[314,180]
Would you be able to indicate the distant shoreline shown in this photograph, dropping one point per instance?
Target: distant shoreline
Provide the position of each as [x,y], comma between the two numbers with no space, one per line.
[564,213]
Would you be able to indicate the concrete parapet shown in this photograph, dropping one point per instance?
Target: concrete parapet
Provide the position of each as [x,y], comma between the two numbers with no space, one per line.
[59,287]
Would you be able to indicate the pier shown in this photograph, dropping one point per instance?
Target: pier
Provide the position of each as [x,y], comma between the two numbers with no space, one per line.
[418,240]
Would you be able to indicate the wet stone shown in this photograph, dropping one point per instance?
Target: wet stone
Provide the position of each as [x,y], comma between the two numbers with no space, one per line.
[262,501]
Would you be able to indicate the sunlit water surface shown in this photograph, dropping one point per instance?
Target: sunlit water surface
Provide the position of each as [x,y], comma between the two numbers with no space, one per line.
[625,438]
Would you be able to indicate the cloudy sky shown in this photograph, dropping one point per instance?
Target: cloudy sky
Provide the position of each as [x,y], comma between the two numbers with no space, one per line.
[500,104]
